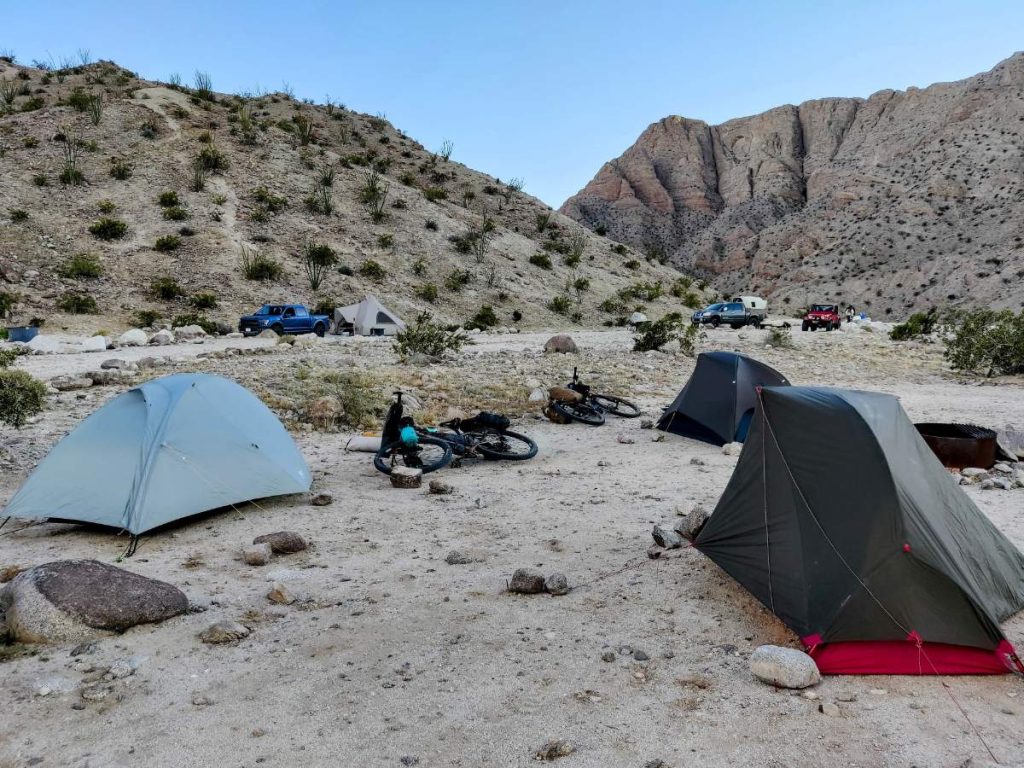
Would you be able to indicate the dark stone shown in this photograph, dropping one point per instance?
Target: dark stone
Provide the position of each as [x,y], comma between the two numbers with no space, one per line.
[282,542]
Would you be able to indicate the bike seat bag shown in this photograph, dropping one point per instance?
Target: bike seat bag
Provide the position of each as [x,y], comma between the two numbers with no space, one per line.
[488,420]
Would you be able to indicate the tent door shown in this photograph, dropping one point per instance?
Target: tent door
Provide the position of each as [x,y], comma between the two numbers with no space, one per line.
[376,331]
[744,426]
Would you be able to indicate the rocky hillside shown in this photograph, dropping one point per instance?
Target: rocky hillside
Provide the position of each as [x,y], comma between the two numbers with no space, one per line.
[103,201]
[901,200]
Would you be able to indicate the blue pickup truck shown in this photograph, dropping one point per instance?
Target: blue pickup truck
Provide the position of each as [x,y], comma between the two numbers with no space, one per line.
[282,319]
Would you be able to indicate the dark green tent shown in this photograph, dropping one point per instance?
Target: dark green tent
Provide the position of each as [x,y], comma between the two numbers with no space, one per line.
[840,519]
[717,403]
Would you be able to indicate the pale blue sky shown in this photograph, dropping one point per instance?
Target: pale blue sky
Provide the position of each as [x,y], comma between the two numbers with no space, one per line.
[545,91]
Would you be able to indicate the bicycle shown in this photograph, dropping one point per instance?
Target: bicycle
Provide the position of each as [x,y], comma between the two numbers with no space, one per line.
[401,443]
[592,406]
[486,436]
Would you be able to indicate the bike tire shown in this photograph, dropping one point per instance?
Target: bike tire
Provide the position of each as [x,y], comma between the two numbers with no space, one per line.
[585,414]
[617,406]
[384,459]
[503,445]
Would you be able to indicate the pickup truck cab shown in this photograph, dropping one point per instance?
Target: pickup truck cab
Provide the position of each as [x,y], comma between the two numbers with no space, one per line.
[822,316]
[282,319]
[735,314]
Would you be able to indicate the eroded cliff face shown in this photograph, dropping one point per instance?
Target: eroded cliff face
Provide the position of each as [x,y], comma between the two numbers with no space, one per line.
[898,201]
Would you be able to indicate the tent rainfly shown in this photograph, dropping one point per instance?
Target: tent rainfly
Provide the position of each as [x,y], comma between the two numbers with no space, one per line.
[165,450]
[842,522]
[717,403]
[367,318]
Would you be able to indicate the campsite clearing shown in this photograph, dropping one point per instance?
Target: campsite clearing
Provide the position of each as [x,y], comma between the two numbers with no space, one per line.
[390,651]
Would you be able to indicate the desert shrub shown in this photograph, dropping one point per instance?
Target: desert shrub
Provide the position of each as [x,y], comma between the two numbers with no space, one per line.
[107,228]
[168,199]
[560,304]
[419,267]
[317,258]
[484,318]
[21,397]
[346,270]
[204,86]
[431,225]
[985,340]
[79,99]
[77,304]
[918,324]
[145,318]
[256,265]
[424,336]
[374,194]
[642,291]
[211,159]
[205,300]
[434,194]
[120,170]
[321,199]
[106,206]
[84,265]
[8,356]
[613,306]
[17,214]
[167,243]
[41,180]
[543,218]
[271,202]
[457,279]
[194,318]
[655,334]
[385,240]
[175,213]
[427,292]
[7,302]
[620,249]
[541,260]
[780,338]
[632,264]
[166,288]
[373,270]
[601,229]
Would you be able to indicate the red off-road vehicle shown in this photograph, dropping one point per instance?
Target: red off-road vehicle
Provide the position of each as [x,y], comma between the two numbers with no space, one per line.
[822,316]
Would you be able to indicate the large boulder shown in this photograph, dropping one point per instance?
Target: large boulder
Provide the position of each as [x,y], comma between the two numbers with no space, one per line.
[162,338]
[784,667]
[562,343]
[136,337]
[1011,440]
[189,332]
[76,600]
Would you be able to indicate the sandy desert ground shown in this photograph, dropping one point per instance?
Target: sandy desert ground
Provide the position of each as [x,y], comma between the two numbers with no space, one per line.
[393,657]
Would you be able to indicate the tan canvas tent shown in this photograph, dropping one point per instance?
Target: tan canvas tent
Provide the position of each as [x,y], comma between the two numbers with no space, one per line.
[367,318]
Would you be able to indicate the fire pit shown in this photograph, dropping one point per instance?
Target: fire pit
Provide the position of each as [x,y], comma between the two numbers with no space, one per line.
[960,445]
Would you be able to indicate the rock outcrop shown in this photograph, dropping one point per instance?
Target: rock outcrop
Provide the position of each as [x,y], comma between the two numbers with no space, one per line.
[898,201]
[75,600]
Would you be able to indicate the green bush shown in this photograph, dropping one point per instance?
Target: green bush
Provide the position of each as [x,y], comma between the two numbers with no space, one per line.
[17,214]
[484,318]
[167,243]
[8,356]
[256,265]
[120,170]
[194,318]
[373,270]
[655,334]
[317,258]
[424,336]
[166,289]
[268,200]
[212,159]
[780,338]
[145,318]
[175,213]
[21,397]
[83,265]
[107,228]
[985,340]
[457,279]
[7,302]
[642,291]
[204,300]
[560,304]
[918,324]
[541,260]
[77,304]
[427,292]
[168,199]
[434,194]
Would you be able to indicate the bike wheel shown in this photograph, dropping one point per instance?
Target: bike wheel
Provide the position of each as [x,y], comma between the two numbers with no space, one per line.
[580,412]
[506,445]
[429,454]
[616,406]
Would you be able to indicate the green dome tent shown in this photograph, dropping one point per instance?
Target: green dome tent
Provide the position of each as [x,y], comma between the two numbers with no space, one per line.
[165,450]
[717,403]
[841,521]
